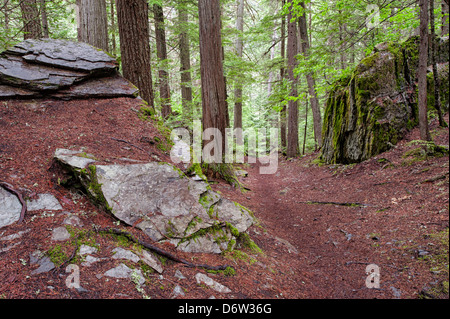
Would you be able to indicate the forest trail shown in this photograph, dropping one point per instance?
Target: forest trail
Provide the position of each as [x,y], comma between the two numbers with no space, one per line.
[379,212]
[308,250]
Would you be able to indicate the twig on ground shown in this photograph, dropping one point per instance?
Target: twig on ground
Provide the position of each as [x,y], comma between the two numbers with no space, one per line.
[135,146]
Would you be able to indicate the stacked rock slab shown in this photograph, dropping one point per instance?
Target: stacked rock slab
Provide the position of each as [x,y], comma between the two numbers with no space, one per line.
[162,201]
[60,69]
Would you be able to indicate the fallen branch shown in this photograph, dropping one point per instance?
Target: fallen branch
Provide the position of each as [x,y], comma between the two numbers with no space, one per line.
[436,178]
[334,203]
[11,189]
[158,250]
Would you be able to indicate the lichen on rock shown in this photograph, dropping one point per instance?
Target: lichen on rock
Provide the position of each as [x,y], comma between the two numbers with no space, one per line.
[161,201]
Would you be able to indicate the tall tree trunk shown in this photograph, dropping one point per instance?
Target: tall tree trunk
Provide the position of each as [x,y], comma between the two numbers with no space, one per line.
[238,83]
[432,43]
[31,19]
[113,27]
[445,18]
[422,71]
[5,8]
[185,61]
[341,38]
[211,66]
[282,76]
[161,49]
[132,16]
[93,28]
[292,49]
[43,8]
[306,127]
[317,118]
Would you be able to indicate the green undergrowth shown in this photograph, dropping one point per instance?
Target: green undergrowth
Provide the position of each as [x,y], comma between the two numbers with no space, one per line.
[162,142]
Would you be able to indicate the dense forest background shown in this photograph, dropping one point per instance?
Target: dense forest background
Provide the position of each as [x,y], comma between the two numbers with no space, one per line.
[260,58]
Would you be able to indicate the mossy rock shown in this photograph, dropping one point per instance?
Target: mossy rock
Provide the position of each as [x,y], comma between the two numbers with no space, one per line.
[371,111]
[160,200]
[425,150]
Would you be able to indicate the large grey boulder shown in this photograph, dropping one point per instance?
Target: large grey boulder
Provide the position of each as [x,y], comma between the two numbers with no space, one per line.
[163,202]
[60,69]
[370,110]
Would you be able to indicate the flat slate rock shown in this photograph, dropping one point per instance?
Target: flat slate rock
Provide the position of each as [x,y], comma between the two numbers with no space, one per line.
[109,87]
[14,72]
[64,54]
[62,69]
[8,92]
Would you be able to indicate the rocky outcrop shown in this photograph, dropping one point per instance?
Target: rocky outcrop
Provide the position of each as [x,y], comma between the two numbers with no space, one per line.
[162,201]
[371,110]
[60,69]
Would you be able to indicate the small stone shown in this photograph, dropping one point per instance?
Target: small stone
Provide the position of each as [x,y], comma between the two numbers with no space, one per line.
[15,236]
[423,252]
[151,261]
[89,260]
[10,208]
[177,291]
[44,262]
[85,249]
[44,202]
[123,271]
[120,253]
[60,234]
[397,293]
[202,278]
[73,221]
[179,275]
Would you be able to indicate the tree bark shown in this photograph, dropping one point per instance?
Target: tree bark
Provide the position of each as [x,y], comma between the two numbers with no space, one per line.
[211,66]
[445,18]
[282,76]
[317,118]
[132,16]
[306,128]
[93,28]
[31,19]
[113,27]
[43,8]
[292,49]
[161,49]
[422,71]
[437,100]
[185,61]
[5,12]
[238,84]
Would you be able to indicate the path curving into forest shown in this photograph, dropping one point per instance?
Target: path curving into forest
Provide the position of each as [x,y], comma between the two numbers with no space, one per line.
[324,225]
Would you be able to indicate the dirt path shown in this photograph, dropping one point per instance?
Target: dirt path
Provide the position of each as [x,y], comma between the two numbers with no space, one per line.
[325,248]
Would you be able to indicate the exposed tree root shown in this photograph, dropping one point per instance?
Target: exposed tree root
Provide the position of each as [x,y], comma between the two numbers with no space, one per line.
[158,250]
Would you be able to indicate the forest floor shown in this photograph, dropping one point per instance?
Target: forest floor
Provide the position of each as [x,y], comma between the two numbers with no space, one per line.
[319,226]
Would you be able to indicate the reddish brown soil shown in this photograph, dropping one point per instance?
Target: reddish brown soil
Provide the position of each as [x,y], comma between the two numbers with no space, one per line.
[309,250]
